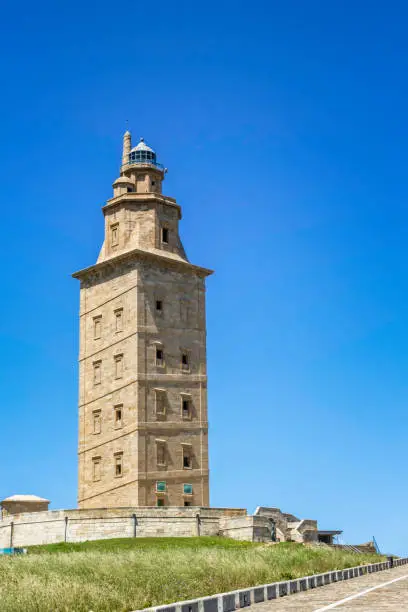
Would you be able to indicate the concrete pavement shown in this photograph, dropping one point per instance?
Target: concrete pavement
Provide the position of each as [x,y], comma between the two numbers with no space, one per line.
[392,596]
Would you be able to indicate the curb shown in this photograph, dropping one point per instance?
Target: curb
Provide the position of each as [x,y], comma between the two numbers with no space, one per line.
[243,598]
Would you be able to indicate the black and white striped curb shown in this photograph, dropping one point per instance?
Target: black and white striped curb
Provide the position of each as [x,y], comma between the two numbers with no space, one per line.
[235,600]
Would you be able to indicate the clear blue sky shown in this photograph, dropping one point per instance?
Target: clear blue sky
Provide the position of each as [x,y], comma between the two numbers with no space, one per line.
[284,128]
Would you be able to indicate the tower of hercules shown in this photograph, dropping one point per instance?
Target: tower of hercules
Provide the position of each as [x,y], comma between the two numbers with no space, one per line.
[143,429]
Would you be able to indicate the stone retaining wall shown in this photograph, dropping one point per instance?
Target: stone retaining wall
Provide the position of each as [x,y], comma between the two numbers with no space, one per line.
[49,527]
[80,525]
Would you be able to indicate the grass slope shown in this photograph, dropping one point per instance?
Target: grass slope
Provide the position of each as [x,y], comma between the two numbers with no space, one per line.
[129,574]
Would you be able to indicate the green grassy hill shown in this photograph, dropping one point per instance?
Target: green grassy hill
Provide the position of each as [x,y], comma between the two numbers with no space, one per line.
[129,574]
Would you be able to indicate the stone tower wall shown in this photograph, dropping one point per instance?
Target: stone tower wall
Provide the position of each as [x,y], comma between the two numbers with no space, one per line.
[142,356]
[103,297]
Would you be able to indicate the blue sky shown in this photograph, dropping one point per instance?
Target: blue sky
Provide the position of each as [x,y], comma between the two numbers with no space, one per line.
[283,125]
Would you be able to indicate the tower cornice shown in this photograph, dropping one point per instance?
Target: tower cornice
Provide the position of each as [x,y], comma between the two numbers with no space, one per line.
[153,166]
[159,257]
[142,197]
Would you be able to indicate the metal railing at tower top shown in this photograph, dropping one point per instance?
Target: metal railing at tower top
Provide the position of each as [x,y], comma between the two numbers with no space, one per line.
[144,162]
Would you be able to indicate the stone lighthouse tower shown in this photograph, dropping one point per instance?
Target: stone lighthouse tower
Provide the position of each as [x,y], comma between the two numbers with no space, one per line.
[142,362]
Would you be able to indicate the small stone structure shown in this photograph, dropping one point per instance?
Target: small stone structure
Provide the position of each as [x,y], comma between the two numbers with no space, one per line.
[288,527]
[17,504]
[48,527]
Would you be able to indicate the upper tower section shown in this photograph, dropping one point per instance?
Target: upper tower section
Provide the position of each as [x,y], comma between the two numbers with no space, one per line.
[140,171]
[139,217]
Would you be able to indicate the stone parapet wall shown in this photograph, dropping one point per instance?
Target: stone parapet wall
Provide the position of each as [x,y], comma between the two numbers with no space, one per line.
[55,526]
[50,527]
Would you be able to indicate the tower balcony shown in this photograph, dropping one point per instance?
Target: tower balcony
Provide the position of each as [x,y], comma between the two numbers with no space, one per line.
[145,162]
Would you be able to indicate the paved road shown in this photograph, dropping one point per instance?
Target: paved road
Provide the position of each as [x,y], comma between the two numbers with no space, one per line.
[393,596]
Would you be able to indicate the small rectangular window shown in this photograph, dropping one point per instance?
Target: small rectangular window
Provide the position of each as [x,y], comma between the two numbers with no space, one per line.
[161,452]
[96,469]
[119,320]
[159,357]
[118,366]
[118,465]
[159,305]
[161,486]
[160,502]
[165,235]
[97,421]
[186,408]
[115,234]
[187,458]
[185,364]
[97,367]
[117,415]
[97,324]
[187,489]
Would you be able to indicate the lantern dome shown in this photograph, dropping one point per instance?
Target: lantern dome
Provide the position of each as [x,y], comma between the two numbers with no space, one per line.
[143,154]
[142,146]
